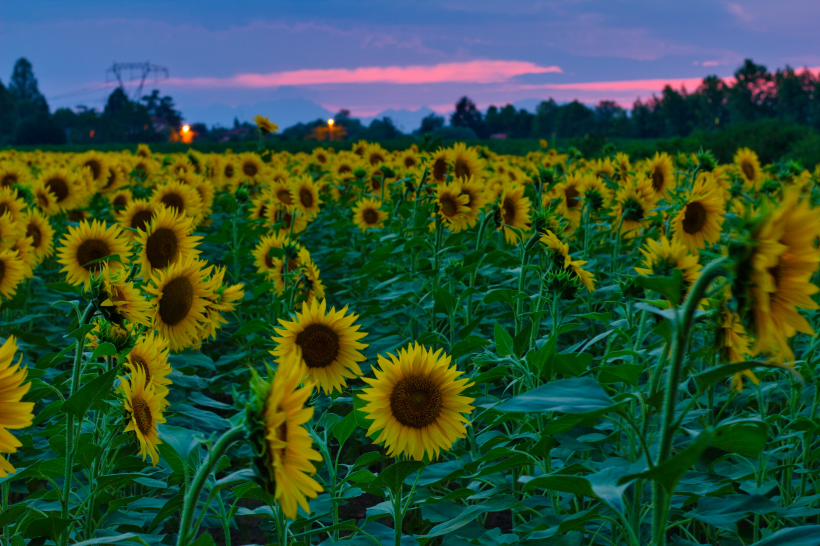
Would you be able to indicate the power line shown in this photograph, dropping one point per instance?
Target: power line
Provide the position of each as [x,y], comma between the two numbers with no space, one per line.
[131,72]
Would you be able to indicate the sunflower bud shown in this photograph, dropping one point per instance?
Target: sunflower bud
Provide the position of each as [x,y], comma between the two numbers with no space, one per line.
[359,173]
[630,289]
[564,283]
[263,473]
[242,194]
[706,160]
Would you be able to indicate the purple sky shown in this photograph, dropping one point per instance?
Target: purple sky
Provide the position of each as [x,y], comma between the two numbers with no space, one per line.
[297,59]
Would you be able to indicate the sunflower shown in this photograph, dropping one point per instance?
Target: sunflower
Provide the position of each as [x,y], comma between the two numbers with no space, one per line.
[121,198]
[282,196]
[661,257]
[179,196]
[150,355]
[313,284]
[466,162]
[633,203]
[328,344]
[120,300]
[181,295]
[223,300]
[262,252]
[784,259]
[145,407]
[264,125]
[562,259]
[452,205]
[10,230]
[700,220]
[622,165]
[367,214]
[180,165]
[259,206]
[39,230]
[166,241]
[12,272]
[13,204]
[409,159]
[282,445]
[117,177]
[13,174]
[143,167]
[514,209]
[661,174]
[16,414]
[207,193]
[415,401]
[477,198]
[290,219]
[375,155]
[97,166]
[56,190]
[439,165]
[305,194]
[597,196]
[87,243]
[568,194]
[603,168]
[136,216]
[749,166]
[734,346]
[320,156]
[25,251]
[250,166]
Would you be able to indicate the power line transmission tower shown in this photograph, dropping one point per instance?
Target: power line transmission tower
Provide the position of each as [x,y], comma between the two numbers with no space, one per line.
[129,73]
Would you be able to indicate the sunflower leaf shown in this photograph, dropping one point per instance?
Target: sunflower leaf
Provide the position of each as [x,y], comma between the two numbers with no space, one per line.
[81,401]
[394,475]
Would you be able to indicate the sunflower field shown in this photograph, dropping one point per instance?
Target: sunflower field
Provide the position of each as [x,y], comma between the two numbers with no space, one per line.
[420,347]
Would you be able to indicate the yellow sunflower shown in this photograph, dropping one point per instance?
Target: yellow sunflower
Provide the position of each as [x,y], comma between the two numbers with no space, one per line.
[181,295]
[12,203]
[661,174]
[699,221]
[734,345]
[562,259]
[466,162]
[57,190]
[167,241]
[367,214]
[250,166]
[661,257]
[179,196]
[25,251]
[597,196]
[10,230]
[120,198]
[144,406]
[375,155]
[16,414]
[415,401]
[452,205]
[223,300]
[117,177]
[290,219]
[265,125]
[749,166]
[477,198]
[568,194]
[262,252]
[39,230]
[633,203]
[13,173]
[150,355]
[87,243]
[327,341]
[514,208]
[439,165]
[282,196]
[97,166]
[305,194]
[120,300]
[136,216]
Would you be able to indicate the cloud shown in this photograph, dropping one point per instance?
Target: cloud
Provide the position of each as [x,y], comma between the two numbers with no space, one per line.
[620,86]
[480,71]
[738,11]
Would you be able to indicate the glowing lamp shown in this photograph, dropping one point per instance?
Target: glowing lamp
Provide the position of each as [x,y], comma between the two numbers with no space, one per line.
[331,121]
[185,128]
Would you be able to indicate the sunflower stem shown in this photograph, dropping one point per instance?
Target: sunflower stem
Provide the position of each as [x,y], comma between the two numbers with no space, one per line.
[397,515]
[69,433]
[192,496]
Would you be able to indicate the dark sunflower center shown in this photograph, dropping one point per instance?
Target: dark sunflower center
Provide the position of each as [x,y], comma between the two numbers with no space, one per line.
[43,199]
[120,200]
[58,187]
[439,168]
[321,158]
[36,236]
[320,345]
[139,362]
[461,169]
[268,260]
[8,180]
[76,215]
[173,200]
[161,248]
[509,211]
[376,158]
[287,218]
[112,178]
[448,206]
[90,250]
[409,161]
[595,199]
[376,182]
[228,171]
[370,216]
[282,432]
[141,219]
[3,208]
[748,170]
[283,195]
[344,168]
[263,211]
[415,402]
[306,197]
[694,218]
[571,194]
[657,179]
[633,211]
[249,169]
[95,167]
[776,272]
[2,270]
[142,415]
[177,299]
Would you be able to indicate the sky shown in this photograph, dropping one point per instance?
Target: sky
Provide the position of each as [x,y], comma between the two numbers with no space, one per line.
[298,60]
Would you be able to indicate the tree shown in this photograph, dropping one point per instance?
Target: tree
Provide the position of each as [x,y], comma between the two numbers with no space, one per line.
[754,94]
[544,123]
[430,123]
[7,114]
[163,109]
[711,108]
[382,129]
[467,115]
[23,88]
[611,119]
[794,94]
[574,120]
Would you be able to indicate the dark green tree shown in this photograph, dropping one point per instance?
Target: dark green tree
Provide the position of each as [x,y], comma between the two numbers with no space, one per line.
[467,115]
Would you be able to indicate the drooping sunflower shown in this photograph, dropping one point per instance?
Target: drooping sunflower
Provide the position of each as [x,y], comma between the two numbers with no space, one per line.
[137,216]
[562,260]
[265,125]
[700,219]
[466,162]
[87,243]
[661,257]
[633,203]
[145,407]
[327,341]
[452,205]
[39,230]
[305,194]
[415,401]
[16,414]
[166,241]
[597,196]
[661,174]
[283,446]
[181,294]
[514,208]
[179,196]
[150,355]
[367,214]
[119,299]
[749,166]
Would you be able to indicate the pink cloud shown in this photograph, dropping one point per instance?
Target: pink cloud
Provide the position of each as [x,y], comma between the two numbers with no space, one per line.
[482,71]
[619,86]
[739,12]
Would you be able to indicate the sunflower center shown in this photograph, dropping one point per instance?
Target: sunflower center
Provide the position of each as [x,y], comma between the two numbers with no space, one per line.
[90,250]
[448,206]
[509,211]
[320,345]
[748,170]
[370,217]
[141,220]
[8,180]
[268,260]
[76,215]
[112,177]
[633,211]
[161,248]
[775,272]
[409,162]
[142,415]
[571,194]
[176,302]
[43,199]
[439,168]
[263,211]
[95,168]
[376,182]
[657,179]
[3,208]
[2,270]
[694,218]
[287,218]
[344,169]
[36,236]
[283,194]
[416,402]
[120,201]
[461,169]
[139,362]
[376,158]
[58,187]
[321,158]
[249,169]
[306,197]
[173,200]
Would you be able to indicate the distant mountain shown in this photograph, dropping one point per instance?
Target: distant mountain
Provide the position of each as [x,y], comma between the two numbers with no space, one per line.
[405,121]
[283,112]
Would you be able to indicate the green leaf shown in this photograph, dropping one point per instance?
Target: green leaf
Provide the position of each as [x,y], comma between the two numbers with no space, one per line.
[795,536]
[505,295]
[181,440]
[713,375]
[344,428]
[81,401]
[252,326]
[51,526]
[503,341]
[13,514]
[126,537]
[466,346]
[602,485]
[670,287]
[539,358]
[395,474]
[669,473]
[469,513]
[623,373]
[444,302]
[573,364]
[104,349]
[578,395]
[725,512]
[744,436]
